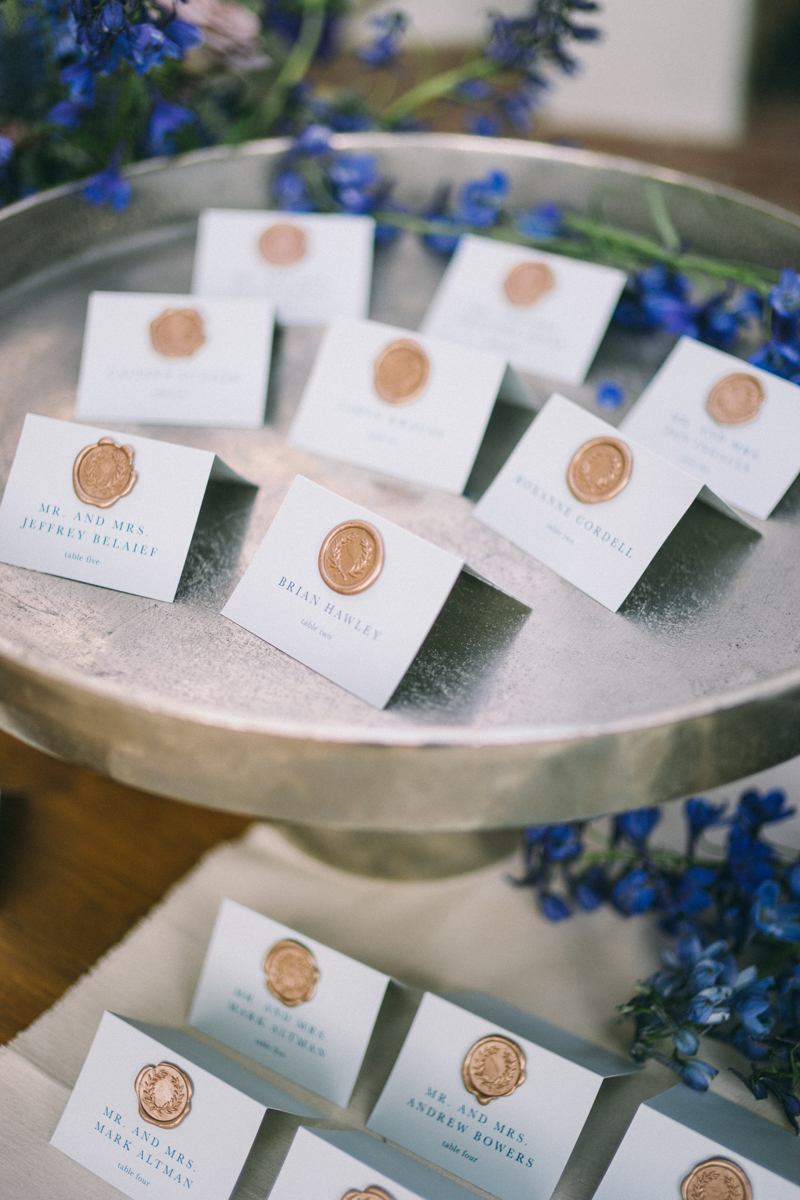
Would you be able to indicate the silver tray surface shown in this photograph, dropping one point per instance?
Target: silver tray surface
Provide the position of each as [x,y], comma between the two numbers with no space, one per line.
[501,722]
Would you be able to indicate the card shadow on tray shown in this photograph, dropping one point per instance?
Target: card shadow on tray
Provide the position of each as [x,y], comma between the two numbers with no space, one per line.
[696,566]
[463,649]
[211,563]
[506,426]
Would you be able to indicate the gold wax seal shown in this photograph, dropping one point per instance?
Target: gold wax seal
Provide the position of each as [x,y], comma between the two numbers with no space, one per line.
[528,282]
[599,470]
[735,400]
[282,244]
[716,1179]
[401,371]
[165,1095]
[351,557]
[291,973]
[177,332]
[373,1192]
[103,473]
[494,1067]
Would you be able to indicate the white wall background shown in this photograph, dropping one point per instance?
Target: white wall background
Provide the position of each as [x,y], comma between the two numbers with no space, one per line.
[664,69]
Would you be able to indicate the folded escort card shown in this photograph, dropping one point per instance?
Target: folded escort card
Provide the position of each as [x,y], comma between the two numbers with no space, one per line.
[542,312]
[330,1165]
[112,509]
[734,427]
[685,1145]
[175,360]
[287,1001]
[492,1094]
[313,266]
[410,406]
[154,1111]
[344,591]
[591,505]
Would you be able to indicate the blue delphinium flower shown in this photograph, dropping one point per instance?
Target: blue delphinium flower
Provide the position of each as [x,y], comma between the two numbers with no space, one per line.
[290,192]
[165,119]
[66,114]
[483,125]
[109,186]
[701,815]
[388,42]
[781,921]
[542,222]
[609,394]
[547,850]
[636,826]
[480,200]
[6,150]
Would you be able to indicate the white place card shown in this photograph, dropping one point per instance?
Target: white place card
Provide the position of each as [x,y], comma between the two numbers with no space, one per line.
[734,427]
[113,509]
[154,1111]
[410,406]
[363,627]
[542,312]
[287,1001]
[544,1081]
[602,535]
[175,360]
[330,1165]
[675,1135]
[312,266]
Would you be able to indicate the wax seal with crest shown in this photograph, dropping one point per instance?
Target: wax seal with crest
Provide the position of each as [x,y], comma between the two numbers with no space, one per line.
[351,557]
[177,332]
[599,469]
[103,473]
[165,1094]
[373,1192]
[716,1179]
[527,282]
[735,399]
[282,244]
[401,371]
[291,973]
[494,1067]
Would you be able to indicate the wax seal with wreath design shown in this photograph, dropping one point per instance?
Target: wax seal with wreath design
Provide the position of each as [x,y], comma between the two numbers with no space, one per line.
[599,469]
[282,244]
[401,371]
[735,399]
[373,1192]
[528,282]
[291,973]
[351,557]
[165,1095]
[493,1067]
[103,473]
[177,332]
[716,1179]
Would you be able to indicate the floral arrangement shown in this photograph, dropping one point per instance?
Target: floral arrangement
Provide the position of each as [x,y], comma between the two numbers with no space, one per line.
[89,86]
[734,915]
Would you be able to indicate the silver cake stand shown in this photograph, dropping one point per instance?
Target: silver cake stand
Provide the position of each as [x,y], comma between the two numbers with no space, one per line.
[502,721]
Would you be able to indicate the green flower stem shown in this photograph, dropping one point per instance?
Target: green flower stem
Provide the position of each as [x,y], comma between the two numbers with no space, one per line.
[296,66]
[437,87]
[600,243]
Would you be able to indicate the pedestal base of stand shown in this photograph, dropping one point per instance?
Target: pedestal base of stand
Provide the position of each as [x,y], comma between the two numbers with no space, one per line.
[403,855]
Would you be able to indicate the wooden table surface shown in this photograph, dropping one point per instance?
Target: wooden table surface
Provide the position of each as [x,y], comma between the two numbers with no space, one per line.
[81,858]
